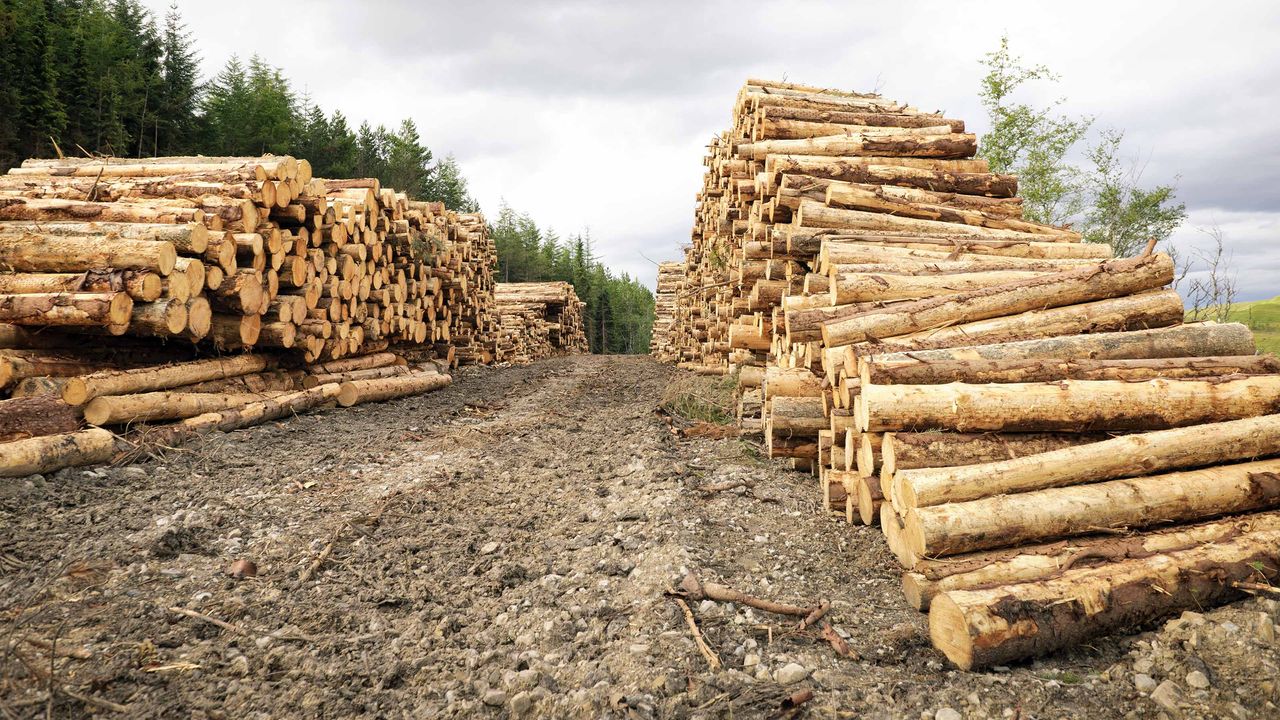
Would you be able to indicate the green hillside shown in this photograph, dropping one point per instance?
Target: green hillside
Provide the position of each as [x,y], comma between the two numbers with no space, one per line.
[1264,317]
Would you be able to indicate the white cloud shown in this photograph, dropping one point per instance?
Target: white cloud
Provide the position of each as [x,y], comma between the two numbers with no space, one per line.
[594,114]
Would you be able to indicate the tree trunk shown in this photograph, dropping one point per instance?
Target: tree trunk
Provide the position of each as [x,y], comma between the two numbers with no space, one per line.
[53,452]
[165,318]
[905,450]
[853,197]
[1143,311]
[362,391]
[868,287]
[1193,340]
[188,238]
[75,253]
[874,370]
[79,390]
[993,568]
[1106,280]
[142,286]
[944,147]
[1011,520]
[146,407]
[1131,455]
[26,417]
[980,628]
[817,215]
[966,177]
[790,383]
[1068,405]
[42,210]
[66,309]
[242,416]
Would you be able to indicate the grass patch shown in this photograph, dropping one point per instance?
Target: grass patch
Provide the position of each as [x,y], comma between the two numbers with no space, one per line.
[1263,318]
[700,398]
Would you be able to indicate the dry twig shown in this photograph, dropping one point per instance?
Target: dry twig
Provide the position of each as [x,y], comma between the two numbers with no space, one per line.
[712,659]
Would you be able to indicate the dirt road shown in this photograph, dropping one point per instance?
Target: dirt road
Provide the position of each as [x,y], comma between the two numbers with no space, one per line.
[501,548]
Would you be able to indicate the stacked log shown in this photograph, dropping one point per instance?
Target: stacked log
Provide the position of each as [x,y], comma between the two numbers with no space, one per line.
[538,320]
[670,284]
[989,390]
[127,288]
[240,253]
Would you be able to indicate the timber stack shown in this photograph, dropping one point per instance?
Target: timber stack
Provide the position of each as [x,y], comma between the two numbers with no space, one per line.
[1023,415]
[149,278]
[670,285]
[538,320]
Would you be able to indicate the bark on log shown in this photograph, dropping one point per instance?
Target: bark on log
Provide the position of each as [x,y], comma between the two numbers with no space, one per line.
[1131,455]
[1160,308]
[1106,280]
[853,197]
[1011,520]
[53,452]
[79,390]
[877,371]
[363,391]
[848,288]
[944,147]
[957,176]
[26,417]
[52,210]
[146,407]
[242,416]
[791,383]
[188,238]
[1192,340]
[817,215]
[1068,405]
[311,381]
[976,629]
[143,286]
[77,253]
[66,309]
[901,451]
[993,568]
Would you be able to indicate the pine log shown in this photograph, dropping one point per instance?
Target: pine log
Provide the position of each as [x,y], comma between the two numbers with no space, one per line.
[242,416]
[1068,405]
[901,451]
[66,309]
[980,628]
[1011,520]
[875,370]
[168,317]
[848,288]
[1193,340]
[1159,308]
[34,416]
[814,214]
[79,390]
[1105,280]
[363,362]
[796,382]
[808,242]
[853,197]
[948,146]
[143,286]
[1131,455]
[146,407]
[993,568]
[51,210]
[17,365]
[311,381]
[31,252]
[234,331]
[355,392]
[199,318]
[962,176]
[187,238]
[285,380]
[47,453]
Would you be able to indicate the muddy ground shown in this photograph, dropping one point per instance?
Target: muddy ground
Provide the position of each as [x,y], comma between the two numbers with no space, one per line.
[502,548]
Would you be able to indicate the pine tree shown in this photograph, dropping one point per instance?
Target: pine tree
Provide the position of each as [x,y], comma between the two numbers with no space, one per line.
[408,161]
[179,89]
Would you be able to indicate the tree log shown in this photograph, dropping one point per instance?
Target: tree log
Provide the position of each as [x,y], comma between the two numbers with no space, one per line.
[980,628]
[78,253]
[53,452]
[1011,520]
[79,390]
[993,568]
[817,215]
[1068,405]
[146,407]
[362,391]
[1131,455]
[944,147]
[1105,280]
[1192,340]
[66,309]
[143,286]
[26,417]
[1143,311]
[956,176]
[187,238]
[868,287]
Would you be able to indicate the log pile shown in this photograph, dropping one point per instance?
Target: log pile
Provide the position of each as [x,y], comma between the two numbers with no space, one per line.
[670,285]
[240,253]
[1022,414]
[538,320]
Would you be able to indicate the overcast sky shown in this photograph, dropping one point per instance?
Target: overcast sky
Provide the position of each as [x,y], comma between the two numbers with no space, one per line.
[594,114]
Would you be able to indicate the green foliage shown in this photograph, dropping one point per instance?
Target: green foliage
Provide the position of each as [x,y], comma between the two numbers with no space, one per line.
[619,312]
[1104,197]
[1262,317]
[1124,215]
[1030,142]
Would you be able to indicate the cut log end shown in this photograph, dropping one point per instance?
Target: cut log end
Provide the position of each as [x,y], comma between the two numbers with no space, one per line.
[949,631]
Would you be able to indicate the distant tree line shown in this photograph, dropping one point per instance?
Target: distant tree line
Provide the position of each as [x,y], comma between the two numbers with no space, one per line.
[103,77]
[619,312]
